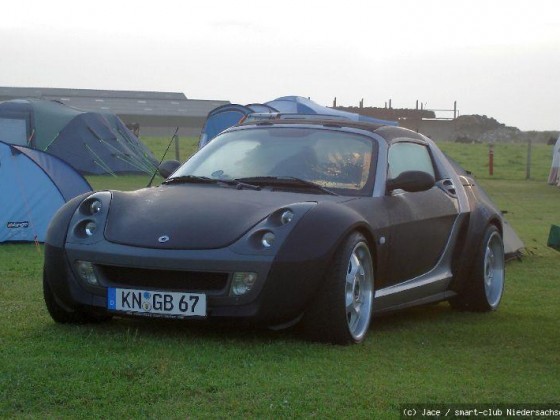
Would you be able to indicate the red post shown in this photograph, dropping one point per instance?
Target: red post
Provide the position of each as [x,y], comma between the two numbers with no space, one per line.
[491,159]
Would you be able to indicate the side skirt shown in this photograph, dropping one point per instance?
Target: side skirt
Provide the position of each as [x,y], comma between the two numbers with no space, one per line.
[439,297]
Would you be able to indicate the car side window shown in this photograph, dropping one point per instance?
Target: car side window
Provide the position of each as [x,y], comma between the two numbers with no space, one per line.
[407,156]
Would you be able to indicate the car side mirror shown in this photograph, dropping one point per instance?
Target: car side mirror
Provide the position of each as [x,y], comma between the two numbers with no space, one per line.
[167,167]
[411,181]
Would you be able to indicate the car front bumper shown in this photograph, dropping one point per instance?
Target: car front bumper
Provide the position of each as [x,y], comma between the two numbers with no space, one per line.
[281,292]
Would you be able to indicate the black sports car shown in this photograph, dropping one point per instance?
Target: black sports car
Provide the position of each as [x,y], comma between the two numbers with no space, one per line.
[319,221]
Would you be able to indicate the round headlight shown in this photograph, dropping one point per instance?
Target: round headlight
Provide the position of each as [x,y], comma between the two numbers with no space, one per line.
[90,228]
[86,272]
[268,239]
[286,217]
[95,207]
[242,283]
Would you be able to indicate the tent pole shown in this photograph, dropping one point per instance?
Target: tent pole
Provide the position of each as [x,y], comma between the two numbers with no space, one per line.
[163,157]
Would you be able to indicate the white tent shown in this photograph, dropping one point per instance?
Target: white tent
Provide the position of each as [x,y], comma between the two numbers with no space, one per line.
[554,176]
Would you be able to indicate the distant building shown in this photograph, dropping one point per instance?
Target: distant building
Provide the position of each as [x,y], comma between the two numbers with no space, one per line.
[419,120]
[391,114]
[155,113]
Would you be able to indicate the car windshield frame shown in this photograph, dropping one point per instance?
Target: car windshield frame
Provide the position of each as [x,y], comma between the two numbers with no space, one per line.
[343,161]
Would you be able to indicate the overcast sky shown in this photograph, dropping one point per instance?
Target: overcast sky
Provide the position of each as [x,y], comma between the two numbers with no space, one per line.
[494,57]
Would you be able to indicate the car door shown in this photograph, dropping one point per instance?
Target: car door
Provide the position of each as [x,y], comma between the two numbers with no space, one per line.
[420,222]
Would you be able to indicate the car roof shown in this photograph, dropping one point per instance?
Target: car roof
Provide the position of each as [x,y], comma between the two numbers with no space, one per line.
[387,132]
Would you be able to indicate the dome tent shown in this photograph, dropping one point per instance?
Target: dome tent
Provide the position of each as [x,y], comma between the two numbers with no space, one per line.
[228,115]
[33,186]
[91,142]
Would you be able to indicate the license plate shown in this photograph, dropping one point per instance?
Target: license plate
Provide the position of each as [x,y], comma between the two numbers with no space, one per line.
[155,303]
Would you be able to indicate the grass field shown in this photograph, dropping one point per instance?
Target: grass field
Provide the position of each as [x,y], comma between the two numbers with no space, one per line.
[162,369]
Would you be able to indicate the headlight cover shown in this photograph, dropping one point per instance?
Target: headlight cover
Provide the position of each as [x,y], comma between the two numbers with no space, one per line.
[89,219]
[268,235]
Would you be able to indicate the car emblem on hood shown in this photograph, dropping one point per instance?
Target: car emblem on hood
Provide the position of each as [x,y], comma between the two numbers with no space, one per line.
[163,239]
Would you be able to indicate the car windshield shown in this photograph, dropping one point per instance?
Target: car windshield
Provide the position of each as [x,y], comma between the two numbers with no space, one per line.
[339,161]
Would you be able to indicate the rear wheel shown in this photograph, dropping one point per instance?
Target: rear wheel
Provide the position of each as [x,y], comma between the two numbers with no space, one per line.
[341,312]
[64,316]
[484,292]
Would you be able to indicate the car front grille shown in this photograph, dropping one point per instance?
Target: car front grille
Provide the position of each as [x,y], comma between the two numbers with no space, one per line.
[164,279]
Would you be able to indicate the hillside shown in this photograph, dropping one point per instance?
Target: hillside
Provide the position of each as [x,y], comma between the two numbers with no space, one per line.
[483,129]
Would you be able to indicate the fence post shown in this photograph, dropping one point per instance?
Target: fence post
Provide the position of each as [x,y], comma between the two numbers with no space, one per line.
[529,147]
[491,159]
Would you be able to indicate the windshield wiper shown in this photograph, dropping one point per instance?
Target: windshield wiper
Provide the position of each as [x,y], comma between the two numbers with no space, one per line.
[240,184]
[205,180]
[286,181]
[186,179]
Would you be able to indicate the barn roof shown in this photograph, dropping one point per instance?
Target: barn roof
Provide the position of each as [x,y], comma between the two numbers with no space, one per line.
[173,104]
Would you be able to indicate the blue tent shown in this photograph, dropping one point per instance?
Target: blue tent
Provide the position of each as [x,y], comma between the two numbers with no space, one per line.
[33,186]
[300,105]
[220,118]
[228,115]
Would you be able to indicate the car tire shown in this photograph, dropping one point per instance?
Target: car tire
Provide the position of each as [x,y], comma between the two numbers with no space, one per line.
[484,291]
[63,316]
[341,312]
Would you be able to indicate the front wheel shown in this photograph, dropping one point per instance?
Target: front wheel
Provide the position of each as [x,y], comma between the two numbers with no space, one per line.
[484,292]
[341,312]
[64,316]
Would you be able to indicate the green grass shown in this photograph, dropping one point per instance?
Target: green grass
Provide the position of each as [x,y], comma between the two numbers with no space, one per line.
[510,160]
[138,368]
[158,145]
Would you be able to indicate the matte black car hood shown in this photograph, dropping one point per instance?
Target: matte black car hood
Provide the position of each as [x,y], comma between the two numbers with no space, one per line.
[192,216]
